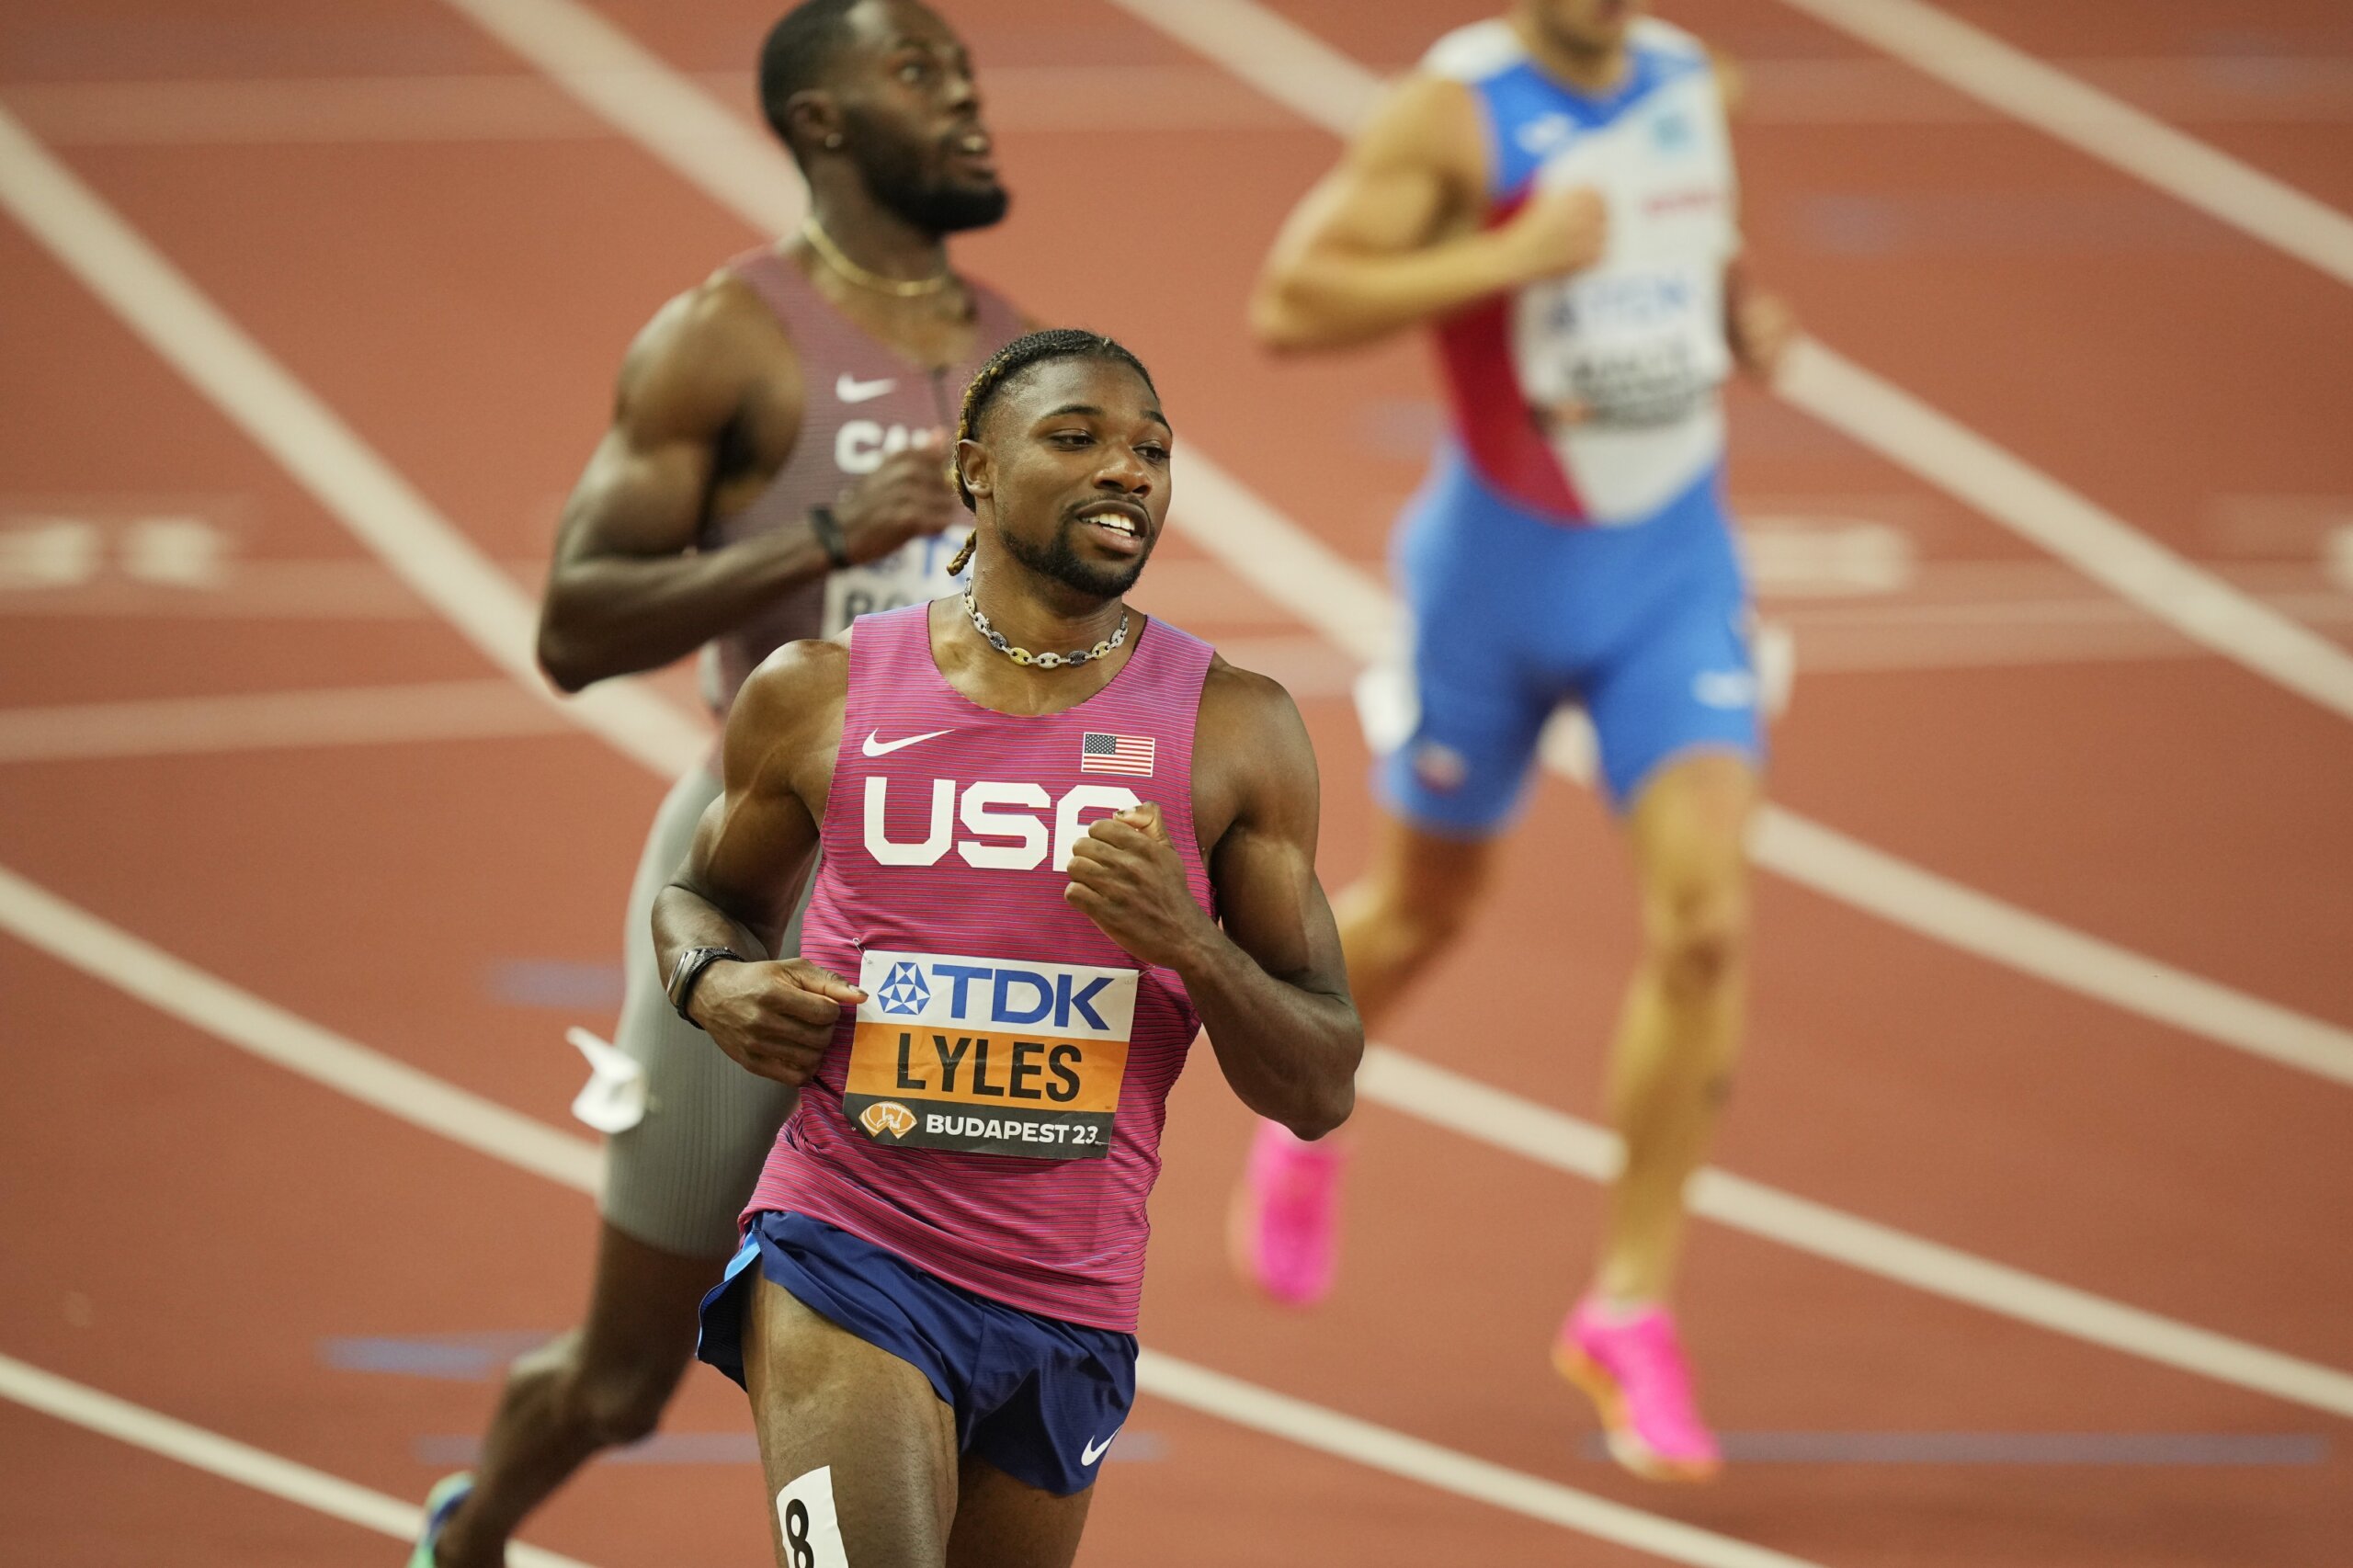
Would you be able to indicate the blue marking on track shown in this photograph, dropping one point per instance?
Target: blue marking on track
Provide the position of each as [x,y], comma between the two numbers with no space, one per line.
[555,982]
[458,1358]
[444,1451]
[2185,1448]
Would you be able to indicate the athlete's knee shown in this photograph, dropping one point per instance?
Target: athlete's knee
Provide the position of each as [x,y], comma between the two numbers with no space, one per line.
[1700,934]
[609,1398]
[1394,918]
[620,1404]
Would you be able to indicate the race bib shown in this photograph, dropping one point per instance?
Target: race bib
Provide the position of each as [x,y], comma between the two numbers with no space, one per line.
[1630,347]
[915,573]
[989,1056]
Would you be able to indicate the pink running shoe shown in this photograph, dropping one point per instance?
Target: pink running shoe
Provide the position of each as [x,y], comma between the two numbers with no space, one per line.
[1633,1367]
[1284,1227]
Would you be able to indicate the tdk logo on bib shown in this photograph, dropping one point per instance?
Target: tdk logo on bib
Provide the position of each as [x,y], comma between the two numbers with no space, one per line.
[989,1056]
[1060,997]
[905,991]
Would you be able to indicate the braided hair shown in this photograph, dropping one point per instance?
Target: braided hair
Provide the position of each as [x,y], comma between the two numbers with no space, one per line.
[1009,362]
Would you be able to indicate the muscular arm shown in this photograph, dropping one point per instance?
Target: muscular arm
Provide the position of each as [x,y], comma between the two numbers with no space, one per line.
[751,853]
[1387,239]
[628,591]
[1271,986]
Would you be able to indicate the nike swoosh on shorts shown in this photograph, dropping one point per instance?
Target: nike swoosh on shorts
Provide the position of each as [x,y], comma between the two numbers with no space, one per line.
[1093,1451]
[875,746]
[849,389]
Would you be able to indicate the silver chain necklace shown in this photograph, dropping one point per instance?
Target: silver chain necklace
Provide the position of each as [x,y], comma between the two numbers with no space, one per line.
[1043,661]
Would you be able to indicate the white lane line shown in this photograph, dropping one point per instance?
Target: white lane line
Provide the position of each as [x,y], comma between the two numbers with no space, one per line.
[331,716]
[1877,414]
[81,1406]
[721,154]
[1936,908]
[1290,565]
[525,107]
[108,954]
[1411,1459]
[2015,83]
[308,439]
[1299,68]
[1550,1137]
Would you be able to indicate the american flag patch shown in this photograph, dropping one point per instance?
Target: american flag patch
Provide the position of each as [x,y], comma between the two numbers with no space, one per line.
[1101,753]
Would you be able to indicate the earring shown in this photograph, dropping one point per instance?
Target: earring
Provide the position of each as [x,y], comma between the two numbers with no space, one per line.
[834,141]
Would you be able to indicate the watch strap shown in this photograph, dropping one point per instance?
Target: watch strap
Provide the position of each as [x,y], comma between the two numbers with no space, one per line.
[828,530]
[691,966]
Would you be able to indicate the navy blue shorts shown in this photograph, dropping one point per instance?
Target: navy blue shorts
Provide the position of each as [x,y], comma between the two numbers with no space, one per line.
[1038,1397]
[1645,624]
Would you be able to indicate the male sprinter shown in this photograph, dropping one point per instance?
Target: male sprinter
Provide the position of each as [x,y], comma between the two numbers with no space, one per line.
[1030,800]
[770,473]
[1553,193]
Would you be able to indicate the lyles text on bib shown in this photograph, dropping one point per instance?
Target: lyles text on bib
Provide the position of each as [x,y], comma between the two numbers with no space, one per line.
[989,1056]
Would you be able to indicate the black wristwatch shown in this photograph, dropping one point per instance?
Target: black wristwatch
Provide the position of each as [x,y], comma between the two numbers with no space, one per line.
[688,973]
[828,530]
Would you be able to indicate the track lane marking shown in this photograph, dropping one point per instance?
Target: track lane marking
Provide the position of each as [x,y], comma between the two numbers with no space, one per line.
[81,1406]
[1508,1122]
[312,443]
[1328,88]
[106,953]
[1997,483]
[2012,82]
[328,716]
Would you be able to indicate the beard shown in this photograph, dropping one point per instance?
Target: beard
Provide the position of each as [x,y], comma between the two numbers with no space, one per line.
[898,180]
[1055,559]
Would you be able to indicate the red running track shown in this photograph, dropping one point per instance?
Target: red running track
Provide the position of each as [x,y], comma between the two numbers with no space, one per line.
[189,1226]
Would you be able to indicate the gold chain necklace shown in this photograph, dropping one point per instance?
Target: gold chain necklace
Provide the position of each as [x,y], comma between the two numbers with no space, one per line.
[1043,661]
[897,287]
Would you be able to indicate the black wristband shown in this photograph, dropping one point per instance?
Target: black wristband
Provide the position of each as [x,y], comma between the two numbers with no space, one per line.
[828,530]
[692,965]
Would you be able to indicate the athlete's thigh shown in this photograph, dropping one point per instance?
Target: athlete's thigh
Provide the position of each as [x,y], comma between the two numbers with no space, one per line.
[859,1452]
[1681,683]
[1002,1522]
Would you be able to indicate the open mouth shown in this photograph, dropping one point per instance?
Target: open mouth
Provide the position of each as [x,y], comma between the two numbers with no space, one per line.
[1118,526]
[973,149]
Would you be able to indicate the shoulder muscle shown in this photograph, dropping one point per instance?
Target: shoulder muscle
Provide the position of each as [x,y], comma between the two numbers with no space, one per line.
[691,367]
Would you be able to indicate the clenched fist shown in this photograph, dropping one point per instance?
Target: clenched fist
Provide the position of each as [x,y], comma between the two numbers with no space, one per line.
[1563,228]
[1761,327]
[1127,877]
[774,1018]
[908,496]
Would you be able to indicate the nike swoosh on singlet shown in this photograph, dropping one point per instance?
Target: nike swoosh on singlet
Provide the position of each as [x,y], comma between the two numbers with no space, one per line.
[875,746]
[849,389]
[1093,1451]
